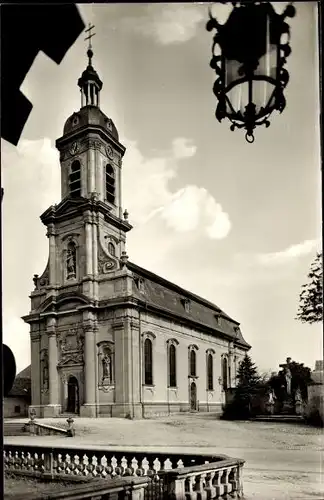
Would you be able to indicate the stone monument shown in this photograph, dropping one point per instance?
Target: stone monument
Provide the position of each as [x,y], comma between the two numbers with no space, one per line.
[288,406]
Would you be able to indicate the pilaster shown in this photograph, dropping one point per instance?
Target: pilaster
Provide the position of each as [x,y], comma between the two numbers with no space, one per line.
[88,409]
[51,234]
[53,408]
[127,389]
[35,368]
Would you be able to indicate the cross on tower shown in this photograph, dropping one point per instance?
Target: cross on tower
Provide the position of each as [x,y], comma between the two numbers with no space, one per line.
[88,30]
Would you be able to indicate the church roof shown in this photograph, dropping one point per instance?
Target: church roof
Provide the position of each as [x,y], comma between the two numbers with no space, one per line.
[21,387]
[158,292]
[25,373]
[90,115]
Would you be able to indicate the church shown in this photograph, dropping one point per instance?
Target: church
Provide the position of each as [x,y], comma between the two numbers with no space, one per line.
[109,338]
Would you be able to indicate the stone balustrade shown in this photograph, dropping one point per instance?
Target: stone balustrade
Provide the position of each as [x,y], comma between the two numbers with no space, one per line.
[180,476]
[122,488]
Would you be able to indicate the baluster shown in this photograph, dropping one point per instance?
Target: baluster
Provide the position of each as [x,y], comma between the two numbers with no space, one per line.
[35,461]
[104,463]
[156,466]
[239,471]
[76,464]
[201,486]
[85,463]
[190,485]
[5,459]
[134,466]
[17,460]
[145,466]
[180,464]
[29,461]
[123,464]
[209,488]
[60,465]
[232,480]
[217,483]
[94,463]
[114,464]
[68,467]
[42,462]
[225,482]
[167,465]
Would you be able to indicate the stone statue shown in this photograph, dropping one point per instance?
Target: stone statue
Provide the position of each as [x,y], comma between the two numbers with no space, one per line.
[287,375]
[45,372]
[71,261]
[106,367]
[270,401]
[298,402]
[271,397]
[298,396]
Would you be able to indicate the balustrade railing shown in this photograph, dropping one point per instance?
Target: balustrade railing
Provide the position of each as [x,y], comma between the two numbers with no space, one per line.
[182,477]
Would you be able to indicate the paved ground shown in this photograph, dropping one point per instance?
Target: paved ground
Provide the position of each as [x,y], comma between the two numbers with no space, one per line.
[283,461]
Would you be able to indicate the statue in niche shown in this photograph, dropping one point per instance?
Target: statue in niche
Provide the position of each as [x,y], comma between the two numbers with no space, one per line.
[71,261]
[107,367]
[45,371]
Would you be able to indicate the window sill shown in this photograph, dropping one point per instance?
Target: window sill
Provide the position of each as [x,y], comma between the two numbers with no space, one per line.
[149,386]
[173,388]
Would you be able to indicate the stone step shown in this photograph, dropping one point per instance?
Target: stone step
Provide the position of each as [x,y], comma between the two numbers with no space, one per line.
[279,418]
[13,429]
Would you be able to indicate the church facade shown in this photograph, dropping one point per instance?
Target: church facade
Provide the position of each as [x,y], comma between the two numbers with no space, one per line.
[109,338]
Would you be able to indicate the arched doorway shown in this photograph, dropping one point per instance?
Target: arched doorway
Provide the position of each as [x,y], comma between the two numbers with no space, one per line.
[73,395]
[193,396]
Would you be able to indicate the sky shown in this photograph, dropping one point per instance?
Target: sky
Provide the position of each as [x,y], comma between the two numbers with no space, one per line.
[237,223]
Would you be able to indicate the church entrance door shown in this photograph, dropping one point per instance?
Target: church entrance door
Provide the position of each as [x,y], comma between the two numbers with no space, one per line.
[193,396]
[73,396]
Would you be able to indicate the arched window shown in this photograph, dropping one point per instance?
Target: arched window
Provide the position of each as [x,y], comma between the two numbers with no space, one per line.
[111,249]
[110,184]
[148,362]
[75,179]
[172,366]
[225,373]
[210,375]
[71,261]
[193,363]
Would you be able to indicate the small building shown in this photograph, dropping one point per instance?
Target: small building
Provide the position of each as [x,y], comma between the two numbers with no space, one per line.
[19,398]
[315,391]
[109,338]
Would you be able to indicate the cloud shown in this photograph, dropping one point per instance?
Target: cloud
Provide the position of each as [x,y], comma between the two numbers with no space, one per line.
[291,253]
[192,207]
[187,209]
[183,148]
[168,23]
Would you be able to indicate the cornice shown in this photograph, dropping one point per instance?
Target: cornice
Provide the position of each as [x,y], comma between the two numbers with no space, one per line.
[85,130]
[69,208]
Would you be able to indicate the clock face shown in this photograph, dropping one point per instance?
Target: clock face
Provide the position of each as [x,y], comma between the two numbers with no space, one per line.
[74,148]
[109,151]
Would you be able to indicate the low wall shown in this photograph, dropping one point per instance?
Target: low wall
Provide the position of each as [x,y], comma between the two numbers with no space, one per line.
[315,402]
[174,475]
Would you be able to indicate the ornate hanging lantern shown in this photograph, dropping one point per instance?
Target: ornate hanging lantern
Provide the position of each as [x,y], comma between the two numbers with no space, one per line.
[249,52]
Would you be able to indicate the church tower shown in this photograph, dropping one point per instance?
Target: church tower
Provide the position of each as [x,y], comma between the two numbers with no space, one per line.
[86,265]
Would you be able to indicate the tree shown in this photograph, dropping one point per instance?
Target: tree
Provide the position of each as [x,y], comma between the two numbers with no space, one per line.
[311,297]
[247,373]
[248,385]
